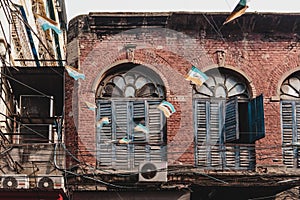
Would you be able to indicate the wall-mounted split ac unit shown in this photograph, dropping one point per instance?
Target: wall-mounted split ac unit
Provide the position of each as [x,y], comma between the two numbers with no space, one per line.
[14,181]
[153,171]
[50,181]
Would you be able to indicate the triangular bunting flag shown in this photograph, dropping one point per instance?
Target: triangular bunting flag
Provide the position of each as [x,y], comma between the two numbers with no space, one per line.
[47,23]
[74,73]
[141,128]
[90,106]
[167,108]
[238,11]
[196,76]
[103,121]
[124,140]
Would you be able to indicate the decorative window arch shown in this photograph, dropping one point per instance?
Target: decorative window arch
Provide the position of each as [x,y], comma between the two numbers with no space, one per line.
[134,130]
[290,120]
[227,121]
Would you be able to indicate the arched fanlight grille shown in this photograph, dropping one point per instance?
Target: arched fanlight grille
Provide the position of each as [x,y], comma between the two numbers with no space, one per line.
[135,81]
[290,88]
[223,83]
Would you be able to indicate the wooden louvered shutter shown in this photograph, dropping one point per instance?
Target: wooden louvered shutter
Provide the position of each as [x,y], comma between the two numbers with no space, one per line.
[200,124]
[215,140]
[156,122]
[139,137]
[231,120]
[120,129]
[297,135]
[256,119]
[139,118]
[104,134]
[288,118]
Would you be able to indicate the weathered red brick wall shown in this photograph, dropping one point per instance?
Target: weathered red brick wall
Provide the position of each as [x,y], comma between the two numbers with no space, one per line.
[264,63]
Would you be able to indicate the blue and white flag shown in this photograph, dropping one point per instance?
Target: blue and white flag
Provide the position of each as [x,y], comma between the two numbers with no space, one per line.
[74,73]
[196,76]
[103,121]
[47,23]
[239,10]
[141,128]
[167,108]
[90,106]
[124,140]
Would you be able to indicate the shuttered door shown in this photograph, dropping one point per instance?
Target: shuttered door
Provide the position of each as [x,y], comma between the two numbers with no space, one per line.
[124,116]
[288,130]
[210,120]
[121,128]
[104,136]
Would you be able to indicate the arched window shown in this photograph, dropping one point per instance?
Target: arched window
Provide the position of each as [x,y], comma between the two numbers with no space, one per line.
[290,120]
[227,121]
[127,98]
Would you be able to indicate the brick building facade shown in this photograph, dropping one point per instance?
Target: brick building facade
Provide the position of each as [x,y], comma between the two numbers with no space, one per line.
[134,61]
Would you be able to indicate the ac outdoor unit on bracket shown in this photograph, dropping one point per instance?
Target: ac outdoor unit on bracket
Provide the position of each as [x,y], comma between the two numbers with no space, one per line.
[49,181]
[14,181]
[153,171]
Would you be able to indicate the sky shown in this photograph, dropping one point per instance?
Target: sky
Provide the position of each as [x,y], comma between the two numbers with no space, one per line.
[78,7]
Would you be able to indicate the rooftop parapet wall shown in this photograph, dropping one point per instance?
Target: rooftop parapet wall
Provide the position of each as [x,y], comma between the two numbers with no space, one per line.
[271,26]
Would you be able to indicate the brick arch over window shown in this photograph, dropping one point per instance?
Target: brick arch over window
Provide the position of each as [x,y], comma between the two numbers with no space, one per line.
[130,128]
[130,80]
[290,119]
[227,121]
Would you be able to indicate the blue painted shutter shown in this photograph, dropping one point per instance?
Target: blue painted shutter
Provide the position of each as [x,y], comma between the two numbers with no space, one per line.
[139,138]
[200,116]
[156,122]
[104,134]
[215,134]
[231,120]
[290,114]
[121,129]
[256,119]
[209,118]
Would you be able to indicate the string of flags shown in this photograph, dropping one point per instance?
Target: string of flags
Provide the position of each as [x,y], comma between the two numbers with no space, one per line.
[239,10]
[196,76]
[90,106]
[74,73]
[124,140]
[103,121]
[141,128]
[167,108]
[47,23]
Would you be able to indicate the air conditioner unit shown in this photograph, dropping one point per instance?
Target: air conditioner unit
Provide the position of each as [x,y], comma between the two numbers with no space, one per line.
[14,181]
[36,106]
[153,172]
[50,181]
